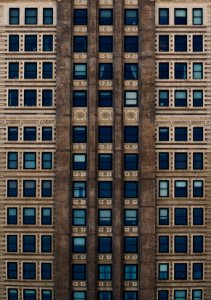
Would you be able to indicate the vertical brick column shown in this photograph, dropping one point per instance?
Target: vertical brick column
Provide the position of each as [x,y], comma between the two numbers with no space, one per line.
[63,118]
[147,150]
[118,153]
[92,150]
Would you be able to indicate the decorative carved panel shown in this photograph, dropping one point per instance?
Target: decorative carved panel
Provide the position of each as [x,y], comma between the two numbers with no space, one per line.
[79,115]
[131,115]
[105,114]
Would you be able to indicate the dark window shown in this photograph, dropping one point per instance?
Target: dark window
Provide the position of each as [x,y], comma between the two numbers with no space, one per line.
[163,70]
[12,243]
[46,271]
[79,217]
[163,160]
[104,295]
[30,97]
[105,189]
[131,17]
[105,217]
[163,134]
[46,133]
[130,162]
[80,17]
[80,71]
[105,98]
[106,44]
[180,43]
[30,16]
[29,295]
[181,161]
[46,188]
[163,216]
[198,188]
[180,216]
[198,161]
[196,294]
[198,71]
[47,70]
[105,71]
[163,98]
[12,216]
[181,134]
[29,160]
[105,134]
[13,42]
[131,71]
[79,189]
[180,271]
[46,160]
[78,272]
[79,134]
[180,98]
[197,16]
[14,17]
[197,43]
[180,16]
[198,244]
[80,43]
[47,98]
[131,295]
[79,162]
[47,16]
[130,189]
[46,216]
[30,70]
[29,188]
[180,71]
[13,98]
[29,243]
[130,134]
[29,133]
[130,272]
[79,244]
[12,188]
[12,294]
[104,161]
[163,16]
[198,216]
[79,295]
[12,133]
[130,244]
[47,42]
[163,295]
[12,272]
[29,271]
[30,43]
[130,217]
[12,160]
[131,43]
[104,272]
[197,271]
[46,241]
[131,98]
[105,17]
[46,295]
[197,98]
[163,43]
[163,272]
[164,244]
[180,244]
[79,98]
[13,70]
[29,216]
[198,135]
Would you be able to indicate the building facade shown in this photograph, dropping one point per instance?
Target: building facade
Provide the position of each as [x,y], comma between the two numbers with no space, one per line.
[105,150]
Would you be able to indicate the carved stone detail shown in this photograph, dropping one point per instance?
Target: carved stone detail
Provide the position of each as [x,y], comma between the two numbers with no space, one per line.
[105,114]
[79,114]
[131,115]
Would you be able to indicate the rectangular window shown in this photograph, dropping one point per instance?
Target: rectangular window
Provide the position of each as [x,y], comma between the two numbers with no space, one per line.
[30,43]
[46,216]
[163,160]
[46,188]
[163,98]
[198,216]
[79,71]
[198,244]
[47,161]
[47,42]
[180,98]
[12,133]
[29,243]
[197,43]
[163,16]
[13,70]
[105,71]
[47,98]
[13,96]
[105,134]
[180,134]
[180,244]
[14,43]
[181,162]
[46,271]
[12,160]
[163,244]
[180,216]
[104,161]
[163,295]
[12,270]
[30,70]
[80,43]
[163,216]
[197,16]
[46,241]
[79,244]
[131,295]
[12,294]
[197,71]
[79,134]
[79,162]
[198,98]
[131,189]
[131,17]
[198,134]
[29,294]
[46,295]
[79,189]
[80,98]
[130,245]
[79,217]
[106,17]
[29,188]
[130,162]
[105,99]
[130,272]
[105,43]
[47,70]
[164,43]
[180,70]
[163,273]
[80,17]
[163,70]
[78,272]
[198,188]
[163,188]
[197,271]
[131,134]
[105,189]
[131,98]
[47,16]
[79,296]
[29,270]
[30,16]
[180,16]
[181,189]
[130,71]
[30,97]
[12,243]
[47,134]
[29,134]
[130,217]
[197,294]
[12,188]
[12,216]
[104,272]
[131,43]
[180,43]
[29,216]
[163,134]
[198,161]
[29,160]
[105,217]
[180,271]
[14,16]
